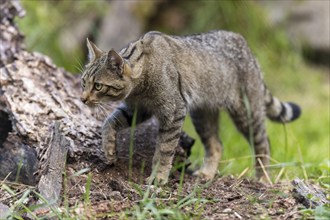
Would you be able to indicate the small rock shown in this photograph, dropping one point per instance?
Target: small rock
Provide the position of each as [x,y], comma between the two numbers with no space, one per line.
[227,210]
[4,211]
[115,186]
[116,195]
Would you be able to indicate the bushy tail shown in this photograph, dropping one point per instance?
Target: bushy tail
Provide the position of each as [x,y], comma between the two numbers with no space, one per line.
[281,111]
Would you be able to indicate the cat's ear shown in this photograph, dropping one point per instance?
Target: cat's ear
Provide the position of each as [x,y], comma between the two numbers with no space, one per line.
[115,60]
[93,51]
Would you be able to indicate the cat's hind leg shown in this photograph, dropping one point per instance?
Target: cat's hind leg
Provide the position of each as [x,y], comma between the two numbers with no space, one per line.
[252,126]
[206,123]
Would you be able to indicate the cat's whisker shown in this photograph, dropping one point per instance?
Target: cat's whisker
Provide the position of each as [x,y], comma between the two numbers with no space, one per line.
[96,110]
[104,110]
[119,121]
[101,110]
[80,67]
[114,120]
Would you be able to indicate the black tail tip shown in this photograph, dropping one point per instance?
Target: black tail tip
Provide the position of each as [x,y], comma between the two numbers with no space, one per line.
[296,111]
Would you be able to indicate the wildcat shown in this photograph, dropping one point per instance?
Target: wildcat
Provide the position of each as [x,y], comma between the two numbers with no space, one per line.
[169,76]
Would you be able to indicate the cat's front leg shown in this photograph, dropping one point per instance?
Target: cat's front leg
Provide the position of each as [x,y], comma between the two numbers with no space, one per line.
[121,118]
[169,135]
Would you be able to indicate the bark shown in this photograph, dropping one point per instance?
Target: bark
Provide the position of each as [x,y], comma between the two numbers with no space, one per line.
[50,183]
[308,195]
[10,37]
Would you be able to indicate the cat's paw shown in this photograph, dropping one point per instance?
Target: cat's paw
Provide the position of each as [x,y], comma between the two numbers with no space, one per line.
[109,152]
[111,158]
[205,175]
[159,179]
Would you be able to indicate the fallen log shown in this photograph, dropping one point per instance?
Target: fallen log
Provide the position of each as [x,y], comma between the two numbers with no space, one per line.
[308,195]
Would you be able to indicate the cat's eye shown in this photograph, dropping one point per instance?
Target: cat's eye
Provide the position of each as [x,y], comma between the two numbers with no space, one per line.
[98,86]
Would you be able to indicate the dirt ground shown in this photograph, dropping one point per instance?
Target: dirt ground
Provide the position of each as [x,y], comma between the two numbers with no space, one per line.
[111,194]
[224,198]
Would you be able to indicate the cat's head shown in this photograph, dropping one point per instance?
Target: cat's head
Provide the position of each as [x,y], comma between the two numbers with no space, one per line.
[106,77]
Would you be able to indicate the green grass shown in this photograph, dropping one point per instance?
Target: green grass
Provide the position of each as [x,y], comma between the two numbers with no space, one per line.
[48,23]
[155,205]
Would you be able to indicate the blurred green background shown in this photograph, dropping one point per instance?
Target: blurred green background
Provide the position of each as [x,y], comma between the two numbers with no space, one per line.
[293,71]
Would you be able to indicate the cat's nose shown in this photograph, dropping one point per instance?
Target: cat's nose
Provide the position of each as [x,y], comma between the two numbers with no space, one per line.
[83,99]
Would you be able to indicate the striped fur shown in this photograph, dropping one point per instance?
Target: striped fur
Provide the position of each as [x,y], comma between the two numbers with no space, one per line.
[170,76]
[280,111]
